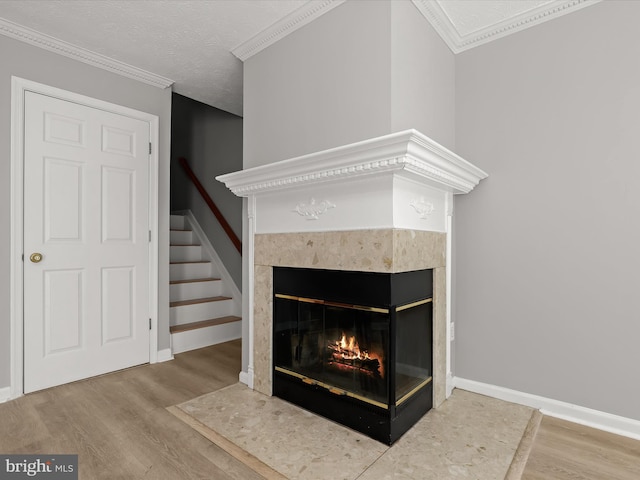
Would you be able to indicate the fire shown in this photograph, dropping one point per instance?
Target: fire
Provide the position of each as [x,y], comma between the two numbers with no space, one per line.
[348,354]
[350,350]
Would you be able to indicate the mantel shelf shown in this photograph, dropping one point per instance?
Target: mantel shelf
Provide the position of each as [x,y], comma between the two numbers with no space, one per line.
[408,153]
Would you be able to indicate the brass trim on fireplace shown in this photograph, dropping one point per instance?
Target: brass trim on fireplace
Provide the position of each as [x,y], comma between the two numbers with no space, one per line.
[299,299]
[332,389]
[332,304]
[414,304]
[418,387]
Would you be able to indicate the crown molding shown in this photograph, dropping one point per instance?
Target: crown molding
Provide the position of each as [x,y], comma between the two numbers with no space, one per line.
[27,35]
[430,9]
[285,26]
[408,153]
[437,17]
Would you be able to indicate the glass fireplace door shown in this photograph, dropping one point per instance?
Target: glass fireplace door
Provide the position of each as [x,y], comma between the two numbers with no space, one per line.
[355,347]
[414,359]
[356,352]
[341,347]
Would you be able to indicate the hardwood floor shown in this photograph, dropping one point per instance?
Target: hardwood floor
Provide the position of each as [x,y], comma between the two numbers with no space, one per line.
[118,423]
[567,451]
[119,426]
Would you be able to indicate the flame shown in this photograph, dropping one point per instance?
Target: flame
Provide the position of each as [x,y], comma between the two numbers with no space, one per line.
[348,354]
[352,349]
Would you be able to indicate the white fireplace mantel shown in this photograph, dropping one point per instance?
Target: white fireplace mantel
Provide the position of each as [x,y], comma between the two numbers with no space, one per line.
[401,180]
[404,181]
[408,152]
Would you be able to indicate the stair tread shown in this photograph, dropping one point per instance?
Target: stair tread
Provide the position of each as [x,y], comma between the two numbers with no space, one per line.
[185,245]
[192,261]
[203,324]
[195,301]
[194,280]
[180,230]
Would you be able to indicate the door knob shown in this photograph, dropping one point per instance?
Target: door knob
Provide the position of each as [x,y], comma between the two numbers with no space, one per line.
[35,257]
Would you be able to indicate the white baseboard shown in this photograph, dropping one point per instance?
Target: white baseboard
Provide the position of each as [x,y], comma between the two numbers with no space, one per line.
[627,427]
[164,355]
[450,385]
[5,394]
[247,378]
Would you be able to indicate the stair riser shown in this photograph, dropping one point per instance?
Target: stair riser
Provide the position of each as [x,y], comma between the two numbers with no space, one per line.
[189,271]
[200,311]
[190,291]
[176,221]
[187,264]
[185,253]
[181,238]
[203,337]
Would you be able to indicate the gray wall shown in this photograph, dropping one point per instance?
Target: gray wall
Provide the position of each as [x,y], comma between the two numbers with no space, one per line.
[548,268]
[326,84]
[211,141]
[364,69]
[31,63]
[422,76]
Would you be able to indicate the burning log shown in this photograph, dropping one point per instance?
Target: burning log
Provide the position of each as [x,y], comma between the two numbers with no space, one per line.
[349,354]
[369,364]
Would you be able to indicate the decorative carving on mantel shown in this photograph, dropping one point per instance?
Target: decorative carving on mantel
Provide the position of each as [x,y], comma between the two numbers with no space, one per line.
[423,208]
[312,210]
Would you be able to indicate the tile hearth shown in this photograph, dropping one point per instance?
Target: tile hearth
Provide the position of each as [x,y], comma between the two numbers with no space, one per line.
[470,436]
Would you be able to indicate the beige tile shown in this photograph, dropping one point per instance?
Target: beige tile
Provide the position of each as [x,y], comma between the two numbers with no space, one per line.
[263,329]
[292,441]
[359,250]
[416,250]
[439,336]
[469,437]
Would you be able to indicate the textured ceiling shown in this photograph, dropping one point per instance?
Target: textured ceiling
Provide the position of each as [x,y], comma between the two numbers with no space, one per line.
[190,41]
[186,41]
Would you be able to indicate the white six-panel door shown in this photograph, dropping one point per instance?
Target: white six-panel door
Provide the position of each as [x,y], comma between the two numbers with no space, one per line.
[86,302]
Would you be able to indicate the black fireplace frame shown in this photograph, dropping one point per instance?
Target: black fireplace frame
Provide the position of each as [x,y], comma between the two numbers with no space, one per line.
[382,290]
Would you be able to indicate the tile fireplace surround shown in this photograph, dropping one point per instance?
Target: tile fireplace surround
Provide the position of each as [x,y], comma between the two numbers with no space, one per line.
[381,205]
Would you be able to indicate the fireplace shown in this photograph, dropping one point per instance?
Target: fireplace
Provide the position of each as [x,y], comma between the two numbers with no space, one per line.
[355,347]
[381,206]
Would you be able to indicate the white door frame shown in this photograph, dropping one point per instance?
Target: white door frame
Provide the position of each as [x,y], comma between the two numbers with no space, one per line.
[18,88]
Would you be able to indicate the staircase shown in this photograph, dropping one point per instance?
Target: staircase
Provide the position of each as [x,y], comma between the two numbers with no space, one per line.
[205,303]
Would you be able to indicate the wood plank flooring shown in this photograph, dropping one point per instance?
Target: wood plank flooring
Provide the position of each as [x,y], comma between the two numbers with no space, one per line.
[121,429]
[567,451]
[119,425]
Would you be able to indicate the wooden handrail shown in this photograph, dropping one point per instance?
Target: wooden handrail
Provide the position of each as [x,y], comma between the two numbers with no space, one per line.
[209,201]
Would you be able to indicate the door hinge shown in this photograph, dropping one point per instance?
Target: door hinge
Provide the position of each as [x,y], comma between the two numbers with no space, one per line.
[149,236]
[149,148]
[149,324]
[23,257]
